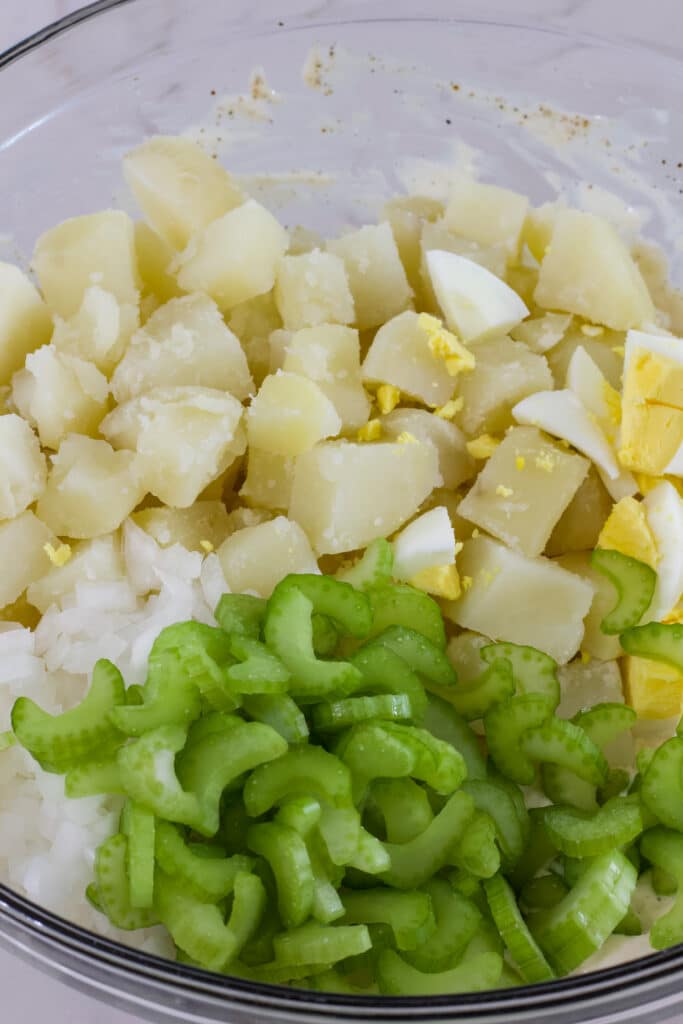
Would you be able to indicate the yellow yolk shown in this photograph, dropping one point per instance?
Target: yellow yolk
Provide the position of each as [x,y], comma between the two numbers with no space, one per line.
[444,345]
[450,409]
[372,431]
[653,689]
[482,447]
[388,398]
[648,483]
[627,530]
[652,412]
[58,556]
[440,580]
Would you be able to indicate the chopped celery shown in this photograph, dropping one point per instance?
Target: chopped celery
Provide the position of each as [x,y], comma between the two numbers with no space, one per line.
[257,671]
[91,778]
[302,771]
[285,851]
[208,879]
[444,722]
[491,797]
[373,568]
[325,635]
[339,601]
[457,920]
[404,807]
[139,825]
[560,742]
[523,949]
[410,915]
[661,788]
[477,974]
[341,714]
[415,862]
[320,944]
[476,851]
[242,614]
[383,671]
[424,657]
[506,725]
[113,888]
[532,670]
[302,813]
[280,712]
[634,583]
[657,641]
[544,892]
[402,605]
[664,850]
[580,835]
[473,700]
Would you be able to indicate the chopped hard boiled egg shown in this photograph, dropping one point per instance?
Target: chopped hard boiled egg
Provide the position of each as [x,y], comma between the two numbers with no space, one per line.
[652,428]
[664,508]
[589,384]
[426,543]
[653,689]
[627,530]
[440,580]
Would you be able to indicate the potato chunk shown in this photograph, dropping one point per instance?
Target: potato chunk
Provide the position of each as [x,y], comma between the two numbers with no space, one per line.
[579,526]
[330,355]
[155,257]
[523,490]
[290,414]
[604,351]
[311,289]
[202,527]
[60,394]
[400,354]
[23,469]
[587,269]
[406,214]
[506,372]
[254,322]
[179,188]
[235,257]
[455,463]
[582,686]
[523,600]
[99,331]
[376,276]
[345,495]
[92,561]
[90,488]
[256,558]
[25,322]
[488,215]
[269,479]
[595,642]
[185,437]
[184,342]
[22,554]
[97,248]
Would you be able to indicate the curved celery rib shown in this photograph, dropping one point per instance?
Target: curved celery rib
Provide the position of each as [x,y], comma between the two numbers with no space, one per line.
[476,974]
[286,853]
[473,700]
[280,712]
[492,798]
[664,850]
[661,787]
[341,714]
[414,863]
[403,806]
[209,879]
[320,944]
[339,601]
[424,657]
[373,568]
[60,742]
[410,915]
[196,927]
[257,670]
[94,777]
[533,671]
[383,671]
[113,889]
[457,921]
[303,771]
[444,722]
[403,605]
[563,743]
[634,582]
[506,725]
[139,826]
[523,949]
[476,851]
[241,614]
[657,641]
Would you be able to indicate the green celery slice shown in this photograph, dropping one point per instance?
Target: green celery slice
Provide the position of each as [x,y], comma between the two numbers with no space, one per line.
[664,850]
[415,862]
[634,583]
[580,835]
[342,714]
[661,788]
[242,614]
[285,851]
[373,568]
[209,879]
[113,889]
[657,641]
[404,807]
[403,605]
[473,700]
[457,921]
[563,743]
[383,671]
[139,825]
[320,944]
[506,725]
[410,915]
[477,974]
[302,771]
[280,712]
[533,671]
[424,657]
[532,965]
[444,722]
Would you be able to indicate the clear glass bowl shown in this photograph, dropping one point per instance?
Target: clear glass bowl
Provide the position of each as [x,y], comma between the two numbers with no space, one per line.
[389,94]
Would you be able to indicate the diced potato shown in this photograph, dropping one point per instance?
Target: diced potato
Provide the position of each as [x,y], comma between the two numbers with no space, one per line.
[179,188]
[256,558]
[523,280]
[579,526]
[278,344]
[539,226]
[438,236]
[405,214]
[313,289]
[23,469]
[400,355]
[185,437]
[542,332]
[92,561]
[269,479]
[606,351]
[303,240]
[583,685]
[25,321]
[241,517]
[185,342]
[97,248]
[487,215]
[588,270]
[455,463]
[376,276]
[524,600]
[99,331]
[290,414]
[654,690]
[345,495]
[330,355]
[506,372]
[654,267]
[464,654]
[235,257]
[595,642]
[202,527]
[523,490]
[90,488]
[60,394]
[155,257]
[254,322]
[22,555]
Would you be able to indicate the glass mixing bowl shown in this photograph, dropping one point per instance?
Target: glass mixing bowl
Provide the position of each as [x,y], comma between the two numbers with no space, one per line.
[537,99]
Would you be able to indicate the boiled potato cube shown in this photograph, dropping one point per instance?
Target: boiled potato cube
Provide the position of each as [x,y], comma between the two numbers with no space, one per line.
[606,351]
[23,469]
[202,527]
[455,463]
[376,276]
[579,526]
[97,248]
[90,488]
[506,372]
[25,322]
[256,558]
[185,437]
[523,280]
[184,342]
[155,257]
[313,289]
[254,322]
[60,394]
[400,355]
[242,517]
[235,257]
[22,554]
[587,269]
[539,226]
[330,355]
[488,215]
[278,345]
[99,331]
[583,685]
[405,215]
[290,414]
[269,479]
[595,642]
[523,600]
[523,490]
[542,332]
[92,561]
[654,266]
[179,188]
[345,495]
[464,654]
[438,236]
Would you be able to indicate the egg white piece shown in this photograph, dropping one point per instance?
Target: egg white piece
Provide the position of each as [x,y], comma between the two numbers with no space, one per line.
[426,543]
[563,414]
[475,303]
[659,344]
[589,384]
[664,509]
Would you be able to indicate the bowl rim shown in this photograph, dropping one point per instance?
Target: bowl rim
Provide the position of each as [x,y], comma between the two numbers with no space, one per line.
[29,917]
